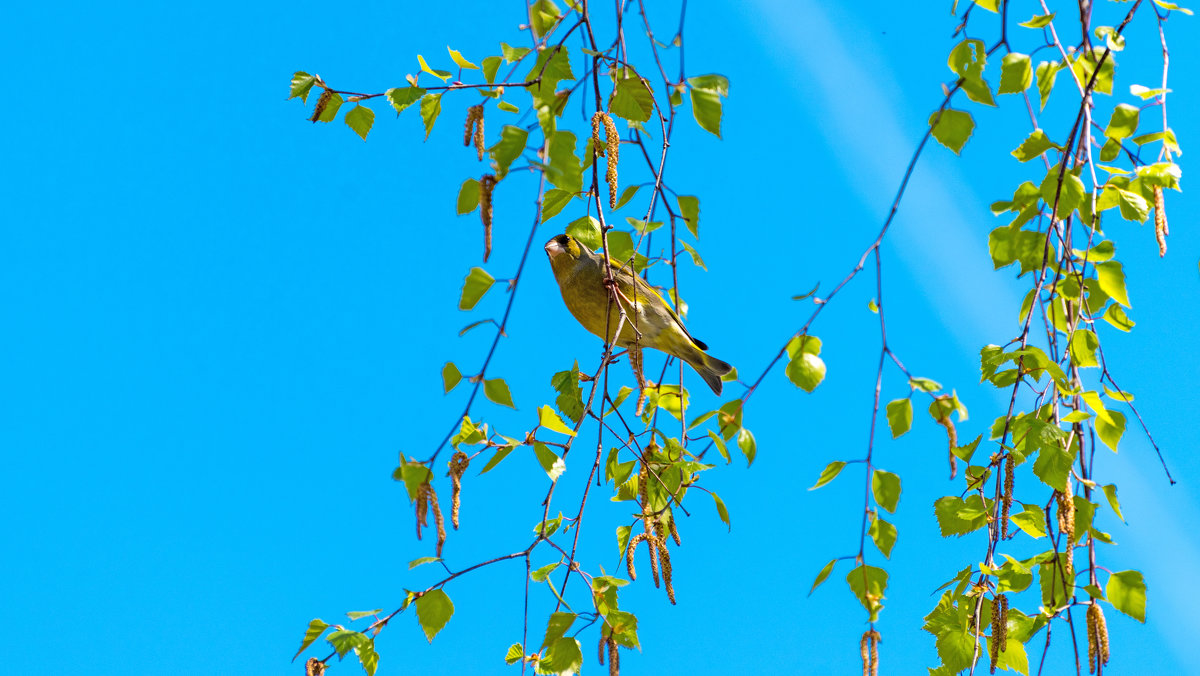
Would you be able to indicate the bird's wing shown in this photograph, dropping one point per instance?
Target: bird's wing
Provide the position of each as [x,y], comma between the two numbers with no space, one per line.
[645,290]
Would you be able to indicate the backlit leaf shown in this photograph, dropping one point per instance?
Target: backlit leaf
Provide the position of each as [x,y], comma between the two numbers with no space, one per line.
[434,610]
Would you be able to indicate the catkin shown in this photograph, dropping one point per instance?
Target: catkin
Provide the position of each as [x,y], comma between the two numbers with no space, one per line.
[1097,635]
[629,554]
[1160,221]
[317,111]
[1066,524]
[614,658]
[486,185]
[458,466]
[314,667]
[666,569]
[438,519]
[611,151]
[473,129]
[952,438]
[868,649]
[422,509]
[1007,497]
[675,531]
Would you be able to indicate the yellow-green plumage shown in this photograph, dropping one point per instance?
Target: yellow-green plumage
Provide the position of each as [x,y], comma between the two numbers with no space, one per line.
[650,321]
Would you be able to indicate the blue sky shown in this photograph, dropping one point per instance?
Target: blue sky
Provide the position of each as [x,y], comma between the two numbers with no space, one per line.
[225,322]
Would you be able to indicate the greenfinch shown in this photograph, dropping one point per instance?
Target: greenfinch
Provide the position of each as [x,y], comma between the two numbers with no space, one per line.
[650,322]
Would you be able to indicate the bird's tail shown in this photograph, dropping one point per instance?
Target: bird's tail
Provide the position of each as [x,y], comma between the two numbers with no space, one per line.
[710,369]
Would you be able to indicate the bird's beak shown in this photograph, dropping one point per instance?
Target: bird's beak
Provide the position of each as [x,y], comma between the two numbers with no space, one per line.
[553,248]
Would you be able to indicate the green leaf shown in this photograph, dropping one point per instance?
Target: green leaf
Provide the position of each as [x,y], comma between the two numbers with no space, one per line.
[1172,6]
[513,54]
[554,201]
[706,92]
[468,196]
[1034,145]
[314,631]
[1133,206]
[477,283]
[884,535]
[1039,21]
[549,419]
[345,640]
[543,14]
[722,511]
[632,99]
[1110,492]
[1016,73]
[689,209]
[559,622]
[1047,73]
[515,654]
[462,62]
[561,657]
[552,65]
[626,195]
[1083,347]
[570,394]
[1032,520]
[331,109]
[1111,276]
[1013,576]
[490,65]
[1068,197]
[1123,123]
[508,148]
[422,561]
[1084,65]
[563,169]
[367,656]
[403,97]
[958,517]
[828,474]
[431,107]
[899,416]
[549,460]
[359,614]
[747,445]
[496,390]
[952,128]
[868,583]
[434,610]
[501,453]
[508,107]
[924,384]
[1126,590]
[1110,428]
[302,83]
[802,344]
[360,119]
[440,74]
[541,575]
[1053,466]
[886,487]
[695,259]
[450,376]
[806,371]
[822,575]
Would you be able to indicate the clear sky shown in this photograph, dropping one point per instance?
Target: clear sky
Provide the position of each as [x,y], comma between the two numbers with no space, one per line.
[221,324]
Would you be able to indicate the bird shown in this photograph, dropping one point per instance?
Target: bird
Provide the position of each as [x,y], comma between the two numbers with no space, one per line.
[650,322]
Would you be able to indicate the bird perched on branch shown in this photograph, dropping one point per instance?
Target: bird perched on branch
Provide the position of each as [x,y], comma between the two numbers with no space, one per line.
[649,322]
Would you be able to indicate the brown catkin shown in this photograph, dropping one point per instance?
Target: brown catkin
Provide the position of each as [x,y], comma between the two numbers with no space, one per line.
[629,554]
[479,135]
[601,647]
[486,185]
[952,439]
[666,570]
[1097,635]
[614,658]
[1092,635]
[438,519]
[422,509]
[598,146]
[875,641]
[995,645]
[474,114]
[322,102]
[1160,221]
[614,151]
[458,466]
[868,650]
[1066,524]
[314,667]
[675,531]
[1007,497]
